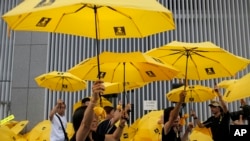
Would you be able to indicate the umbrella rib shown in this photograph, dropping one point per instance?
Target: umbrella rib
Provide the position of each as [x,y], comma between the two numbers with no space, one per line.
[212,60]
[129,17]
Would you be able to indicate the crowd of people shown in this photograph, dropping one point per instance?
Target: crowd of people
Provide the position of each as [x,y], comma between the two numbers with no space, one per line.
[88,127]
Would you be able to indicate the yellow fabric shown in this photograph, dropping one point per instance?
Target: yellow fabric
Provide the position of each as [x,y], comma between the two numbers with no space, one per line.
[148,129]
[205,61]
[77,17]
[111,88]
[226,83]
[60,81]
[19,126]
[41,131]
[196,93]
[238,90]
[139,67]
[200,134]
[6,134]
[129,131]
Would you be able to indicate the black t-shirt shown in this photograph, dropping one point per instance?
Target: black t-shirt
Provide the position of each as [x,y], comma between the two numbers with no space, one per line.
[95,136]
[171,136]
[105,127]
[220,126]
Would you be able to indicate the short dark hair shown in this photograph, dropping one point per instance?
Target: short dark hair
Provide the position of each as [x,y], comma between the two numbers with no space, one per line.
[86,99]
[108,109]
[166,114]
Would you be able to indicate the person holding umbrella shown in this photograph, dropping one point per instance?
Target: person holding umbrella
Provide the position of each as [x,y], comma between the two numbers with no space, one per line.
[219,122]
[171,120]
[85,121]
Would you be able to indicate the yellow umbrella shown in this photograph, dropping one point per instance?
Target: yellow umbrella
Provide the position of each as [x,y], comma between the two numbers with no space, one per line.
[135,67]
[111,88]
[238,90]
[226,83]
[196,93]
[6,134]
[200,61]
[60,81]
[200,134]
[92,18]
[19,126]
[99,19]
[148,129]
[129,131]
[104,101]
[40,129]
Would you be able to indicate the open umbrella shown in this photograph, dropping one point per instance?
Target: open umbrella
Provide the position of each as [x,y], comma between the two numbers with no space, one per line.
[40,129]
[129,131]
[201,134]
[226,83]
[19,126]
[200,61]
[6,134]
[124,67]
[60,81]
[111,88]
[238,90]
[195,93]
[148,129]
[99,19]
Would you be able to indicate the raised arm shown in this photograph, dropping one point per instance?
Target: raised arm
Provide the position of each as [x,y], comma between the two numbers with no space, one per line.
[84,128]
[55,109]
[174,113]
[118,132]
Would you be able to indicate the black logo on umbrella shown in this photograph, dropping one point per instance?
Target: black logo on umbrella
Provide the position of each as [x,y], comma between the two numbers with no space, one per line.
[120,31]
[210,71]
[150,74]
[125,135]
[64,86]
[101,75]
[43,22]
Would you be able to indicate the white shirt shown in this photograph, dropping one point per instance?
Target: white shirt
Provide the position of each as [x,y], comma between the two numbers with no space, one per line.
[57,133]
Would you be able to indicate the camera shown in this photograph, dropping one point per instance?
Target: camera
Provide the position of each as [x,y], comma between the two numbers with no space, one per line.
[245,112]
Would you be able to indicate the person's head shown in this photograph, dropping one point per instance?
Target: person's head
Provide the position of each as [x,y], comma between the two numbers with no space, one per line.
[61,109]
[78,116]
[215,107]
[109,111]
[85,101]
[166,115]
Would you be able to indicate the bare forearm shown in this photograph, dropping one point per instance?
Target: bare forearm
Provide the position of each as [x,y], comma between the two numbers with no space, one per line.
[52,112]
[89,114]
[118,132]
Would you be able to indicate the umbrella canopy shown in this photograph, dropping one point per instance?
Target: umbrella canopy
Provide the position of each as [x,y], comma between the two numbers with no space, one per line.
[107,18]
[201,134]
[148,129]
[238,90]
[196,93]
[111,88]
[200,61]
[6,134]
[99,19]
[226,83]
[135,67]
[60,81]
[129,131]
[39,130]
[19,126]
